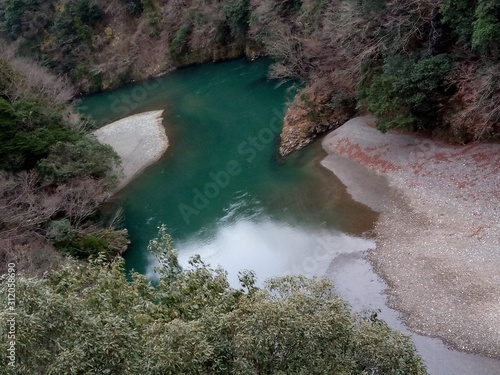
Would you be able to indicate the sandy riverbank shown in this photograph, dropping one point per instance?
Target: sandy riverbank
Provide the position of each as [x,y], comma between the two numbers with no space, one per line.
[139,140]
[438,242]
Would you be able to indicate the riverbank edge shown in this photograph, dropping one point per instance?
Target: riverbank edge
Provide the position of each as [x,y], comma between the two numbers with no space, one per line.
[139,140]
[436,243]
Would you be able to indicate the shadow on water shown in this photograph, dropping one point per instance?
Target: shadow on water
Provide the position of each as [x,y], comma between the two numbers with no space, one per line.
[224,193]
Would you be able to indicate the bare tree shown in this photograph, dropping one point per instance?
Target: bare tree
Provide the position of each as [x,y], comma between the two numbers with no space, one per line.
[24,206]
[81,197]
[30,78]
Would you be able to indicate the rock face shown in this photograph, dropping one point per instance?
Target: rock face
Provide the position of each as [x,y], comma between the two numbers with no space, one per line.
[438,246]
[314,111]
[297,130]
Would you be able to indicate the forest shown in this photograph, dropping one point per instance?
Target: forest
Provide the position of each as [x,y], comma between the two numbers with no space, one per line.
[419,65]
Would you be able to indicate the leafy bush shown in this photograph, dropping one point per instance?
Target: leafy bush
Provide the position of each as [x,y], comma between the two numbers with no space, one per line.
[237,16]
[179,45]
[486,27]
[459,15]
[88,242]
[134,7]
[73,25]
[27,130]
[405,92]
[60,231]
[85,157]
[14,15]
[476,24]
[14,10]
[89,318]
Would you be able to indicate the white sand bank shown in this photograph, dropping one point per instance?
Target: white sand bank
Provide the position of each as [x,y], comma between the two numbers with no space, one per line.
[139,140]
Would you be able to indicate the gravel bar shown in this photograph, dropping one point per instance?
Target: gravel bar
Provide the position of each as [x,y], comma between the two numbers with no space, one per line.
[438,235]
[139,140]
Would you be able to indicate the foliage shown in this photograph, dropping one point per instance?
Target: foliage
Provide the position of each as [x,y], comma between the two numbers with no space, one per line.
[375,6]
[402,93]
[459,15]
[85,244]
[89,319]
[486,27]
[16,12]
[134,7]
[27,130]
[237,14]
[60,230]
[179,45]
[475,24]
[85,157]
[73,24]
[53,177]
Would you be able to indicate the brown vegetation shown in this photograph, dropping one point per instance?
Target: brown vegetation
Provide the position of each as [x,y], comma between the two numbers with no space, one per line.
[475,108]
[28,207]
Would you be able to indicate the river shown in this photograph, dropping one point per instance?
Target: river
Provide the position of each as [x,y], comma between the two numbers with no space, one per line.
[224,193]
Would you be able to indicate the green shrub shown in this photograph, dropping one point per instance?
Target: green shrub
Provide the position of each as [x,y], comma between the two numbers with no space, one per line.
[74,26]
[85,157]
[373,6]
[475,24]
[82,246]
[405,91]
[153,23]
[237,16]
[60,231]
[93,320]
[179,45]
[27,131]
[134,7]
[459,16]
[14,12]
[486,27]
[12,16]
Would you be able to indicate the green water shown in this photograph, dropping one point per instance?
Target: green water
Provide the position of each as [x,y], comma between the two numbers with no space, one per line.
[221,188]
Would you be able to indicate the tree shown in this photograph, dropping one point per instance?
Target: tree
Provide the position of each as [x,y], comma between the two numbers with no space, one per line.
[84,158]
[89,319]
[406,91]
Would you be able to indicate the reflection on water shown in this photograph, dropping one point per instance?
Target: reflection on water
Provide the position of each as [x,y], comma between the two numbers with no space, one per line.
[268,247]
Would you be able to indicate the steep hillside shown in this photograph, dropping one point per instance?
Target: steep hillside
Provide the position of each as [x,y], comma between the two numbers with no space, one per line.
[418,65]
[53,176]
[103,44]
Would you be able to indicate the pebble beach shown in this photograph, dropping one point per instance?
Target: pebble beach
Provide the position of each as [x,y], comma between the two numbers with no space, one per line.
[438,235]
[139,140]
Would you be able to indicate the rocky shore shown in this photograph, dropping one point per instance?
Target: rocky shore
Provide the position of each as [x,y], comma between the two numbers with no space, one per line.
[438,242]
[139,140]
